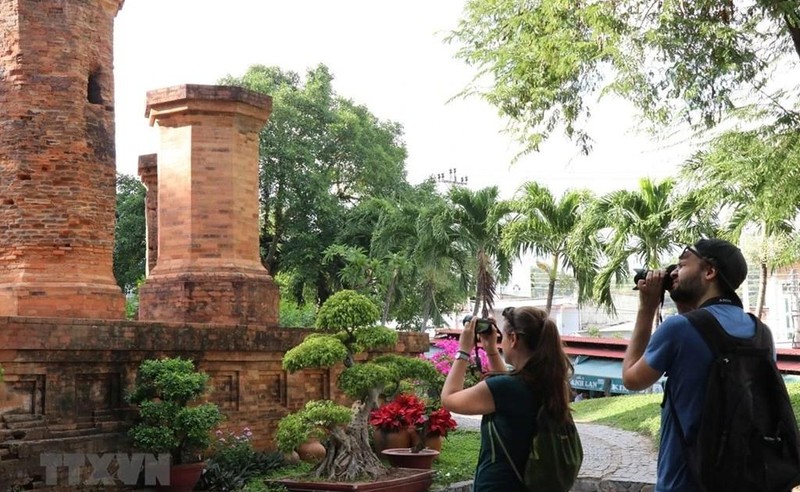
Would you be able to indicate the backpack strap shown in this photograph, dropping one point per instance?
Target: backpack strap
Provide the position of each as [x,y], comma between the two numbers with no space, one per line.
[495,435]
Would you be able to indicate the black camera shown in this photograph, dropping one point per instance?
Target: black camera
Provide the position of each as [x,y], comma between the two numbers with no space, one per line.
[482,325]
[641,274]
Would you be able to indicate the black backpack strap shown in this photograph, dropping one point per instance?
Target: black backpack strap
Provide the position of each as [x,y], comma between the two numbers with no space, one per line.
[709,328]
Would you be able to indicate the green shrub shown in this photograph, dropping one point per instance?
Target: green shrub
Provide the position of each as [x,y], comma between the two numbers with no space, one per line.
[163,390]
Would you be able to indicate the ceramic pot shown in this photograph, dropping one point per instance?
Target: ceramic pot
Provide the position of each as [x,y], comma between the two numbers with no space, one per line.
[405,458]
[311,451]
[434,441]
[391,439]
[183,478]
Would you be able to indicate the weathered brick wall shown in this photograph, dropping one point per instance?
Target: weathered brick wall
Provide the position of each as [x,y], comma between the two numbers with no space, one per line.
[73,375]
[57,159]
[208,268]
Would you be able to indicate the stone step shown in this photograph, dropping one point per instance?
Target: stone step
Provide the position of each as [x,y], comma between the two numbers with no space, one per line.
[51,434]
[21,417]
[6,434]
[26,424]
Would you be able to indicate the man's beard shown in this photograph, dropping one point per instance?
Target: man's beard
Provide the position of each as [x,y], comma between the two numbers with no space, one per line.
[688,291]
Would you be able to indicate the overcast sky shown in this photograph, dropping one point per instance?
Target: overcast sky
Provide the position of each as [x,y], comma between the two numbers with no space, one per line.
[387,55]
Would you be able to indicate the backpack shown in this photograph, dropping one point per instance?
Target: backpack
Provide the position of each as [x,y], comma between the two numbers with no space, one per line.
[747,439]
[554,459]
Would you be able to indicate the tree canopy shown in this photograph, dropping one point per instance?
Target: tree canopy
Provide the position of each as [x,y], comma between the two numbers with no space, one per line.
[691,60]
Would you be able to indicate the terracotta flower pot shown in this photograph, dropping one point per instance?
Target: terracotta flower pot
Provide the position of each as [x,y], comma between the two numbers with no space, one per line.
[311,451]
[434,441]
[391,439]
[183,478]
[405,458]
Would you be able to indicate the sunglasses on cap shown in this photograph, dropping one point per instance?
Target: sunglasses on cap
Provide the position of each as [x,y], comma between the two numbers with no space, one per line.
[690,249]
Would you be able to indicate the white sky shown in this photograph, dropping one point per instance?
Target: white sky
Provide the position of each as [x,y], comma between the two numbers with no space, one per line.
[389,56]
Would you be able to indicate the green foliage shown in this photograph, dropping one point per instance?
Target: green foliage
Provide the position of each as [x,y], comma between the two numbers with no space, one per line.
[373,337]
[293,430]
[316,419]
[320,155]
[315,352]
[162,391]
[347,311]
[130,245]
[235,463]
[357,380]
[293,315]
[418,369]
[554,229]
[676,61]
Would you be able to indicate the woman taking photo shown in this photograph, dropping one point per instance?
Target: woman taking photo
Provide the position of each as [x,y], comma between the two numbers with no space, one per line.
[530,343]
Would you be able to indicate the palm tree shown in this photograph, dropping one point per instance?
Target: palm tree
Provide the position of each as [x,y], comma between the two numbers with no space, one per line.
[552,228]
[753,179]
[645,224]
[478,221]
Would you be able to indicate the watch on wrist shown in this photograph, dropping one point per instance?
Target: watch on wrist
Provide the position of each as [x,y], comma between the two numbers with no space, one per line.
[461,355]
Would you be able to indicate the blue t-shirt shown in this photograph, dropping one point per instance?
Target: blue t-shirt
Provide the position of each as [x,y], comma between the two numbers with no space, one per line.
[515,420]
[677,349]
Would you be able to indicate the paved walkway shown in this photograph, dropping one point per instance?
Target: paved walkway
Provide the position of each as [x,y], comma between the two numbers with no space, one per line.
[613,459]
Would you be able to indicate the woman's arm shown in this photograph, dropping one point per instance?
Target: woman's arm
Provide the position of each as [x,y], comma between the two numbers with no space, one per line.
[476,400]
[489,343]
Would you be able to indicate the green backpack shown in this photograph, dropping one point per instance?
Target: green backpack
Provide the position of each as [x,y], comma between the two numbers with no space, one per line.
[554,459]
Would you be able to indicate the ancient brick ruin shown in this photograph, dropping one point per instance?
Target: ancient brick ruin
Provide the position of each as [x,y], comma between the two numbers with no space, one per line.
[208,268]
[66,352]
[57,159]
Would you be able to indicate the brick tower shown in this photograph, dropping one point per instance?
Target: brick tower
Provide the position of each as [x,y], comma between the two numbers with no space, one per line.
[57,159]
[208,268]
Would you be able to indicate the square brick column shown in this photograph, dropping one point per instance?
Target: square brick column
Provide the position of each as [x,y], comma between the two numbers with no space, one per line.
[209,268]
[148,172]
[57,159]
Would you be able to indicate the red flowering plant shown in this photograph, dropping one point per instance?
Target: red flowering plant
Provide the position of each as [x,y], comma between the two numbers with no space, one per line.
[408,411]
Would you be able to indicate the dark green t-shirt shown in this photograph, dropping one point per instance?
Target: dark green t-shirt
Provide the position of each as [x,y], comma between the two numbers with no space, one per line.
[515,421]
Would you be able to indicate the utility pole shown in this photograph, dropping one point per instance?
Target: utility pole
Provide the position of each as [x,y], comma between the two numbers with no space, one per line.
[450,178]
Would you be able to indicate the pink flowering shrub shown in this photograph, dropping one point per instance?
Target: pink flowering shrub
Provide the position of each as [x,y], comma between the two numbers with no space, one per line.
[443,360]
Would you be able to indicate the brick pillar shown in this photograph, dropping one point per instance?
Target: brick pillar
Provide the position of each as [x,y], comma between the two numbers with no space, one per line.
[209,268]
[148,172]
[57,159]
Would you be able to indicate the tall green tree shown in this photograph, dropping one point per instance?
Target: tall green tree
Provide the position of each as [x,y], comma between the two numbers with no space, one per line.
[478,218]
[678,60]
[551,228]
[643,225]
[320,154]
[130,233]
[752,179]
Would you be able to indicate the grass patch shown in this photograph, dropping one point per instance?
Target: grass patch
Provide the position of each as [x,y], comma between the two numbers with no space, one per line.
[642,413]
[458,458]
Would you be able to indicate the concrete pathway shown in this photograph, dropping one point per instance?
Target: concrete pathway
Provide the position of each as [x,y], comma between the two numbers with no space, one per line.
[613,459]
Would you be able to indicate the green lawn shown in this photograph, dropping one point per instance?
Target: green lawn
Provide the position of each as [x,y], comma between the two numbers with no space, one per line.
[641,413]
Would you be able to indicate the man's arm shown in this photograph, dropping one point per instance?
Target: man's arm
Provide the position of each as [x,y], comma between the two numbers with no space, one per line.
[636,372]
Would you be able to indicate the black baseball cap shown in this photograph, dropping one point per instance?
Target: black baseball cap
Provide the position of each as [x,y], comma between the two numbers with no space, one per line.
[729,262]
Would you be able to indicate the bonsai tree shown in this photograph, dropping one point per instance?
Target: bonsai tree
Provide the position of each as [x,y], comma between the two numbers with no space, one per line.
[167,424]
[347,327]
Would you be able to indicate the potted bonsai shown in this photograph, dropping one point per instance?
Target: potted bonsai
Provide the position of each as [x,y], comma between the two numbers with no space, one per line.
[347,327]
[163,391]
[301,431]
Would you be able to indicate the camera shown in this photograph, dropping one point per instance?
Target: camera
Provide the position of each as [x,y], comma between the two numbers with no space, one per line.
[641,274]
[482,325]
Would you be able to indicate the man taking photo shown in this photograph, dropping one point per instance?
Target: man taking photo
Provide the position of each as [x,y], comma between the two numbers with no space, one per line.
[707,276]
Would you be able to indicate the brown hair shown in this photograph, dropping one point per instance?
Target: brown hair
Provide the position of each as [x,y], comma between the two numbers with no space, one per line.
[549,369]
